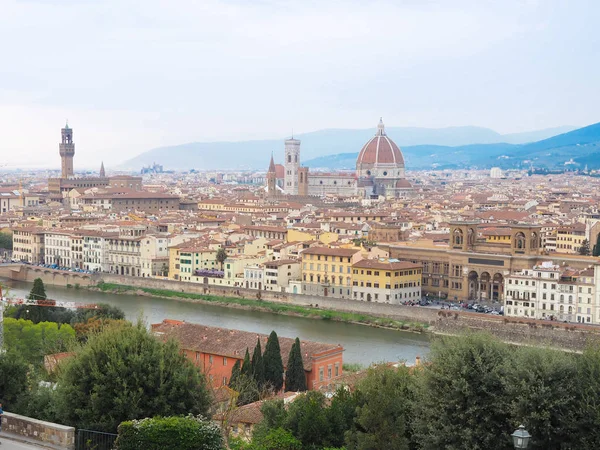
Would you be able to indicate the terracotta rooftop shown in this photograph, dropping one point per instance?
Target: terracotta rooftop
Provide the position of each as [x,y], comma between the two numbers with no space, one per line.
[233,343]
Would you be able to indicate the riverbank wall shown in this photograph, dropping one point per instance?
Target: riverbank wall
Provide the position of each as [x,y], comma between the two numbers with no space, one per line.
[24,272]
[565,336]
[396,312]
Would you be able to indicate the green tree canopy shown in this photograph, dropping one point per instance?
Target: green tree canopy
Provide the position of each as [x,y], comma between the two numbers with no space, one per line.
[295,377]
[585,248]
[246,365]
[544,396]
[124,374]
[273,363]
[13,378]
[103,311]
[6,241]
[235,373]
[307,419]
[258,366]
[33,341]
[463,403]
[221,256]
[38,291]
[384,409]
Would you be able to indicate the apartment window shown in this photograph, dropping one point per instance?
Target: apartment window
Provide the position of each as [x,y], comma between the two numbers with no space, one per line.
[329,371]
[320,374]
[210,359]
[337,369]
[224,360]
[224,381]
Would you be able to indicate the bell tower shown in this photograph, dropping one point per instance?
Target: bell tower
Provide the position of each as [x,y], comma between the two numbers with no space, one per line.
[291,164]
[67,151]
[271,180]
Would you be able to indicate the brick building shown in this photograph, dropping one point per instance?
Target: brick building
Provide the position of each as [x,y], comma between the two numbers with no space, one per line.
[215,351]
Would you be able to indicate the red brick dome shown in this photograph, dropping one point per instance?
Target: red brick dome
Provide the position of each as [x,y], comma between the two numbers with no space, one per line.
[380,150]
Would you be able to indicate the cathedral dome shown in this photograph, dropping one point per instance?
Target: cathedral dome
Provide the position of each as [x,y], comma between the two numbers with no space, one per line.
[380,156]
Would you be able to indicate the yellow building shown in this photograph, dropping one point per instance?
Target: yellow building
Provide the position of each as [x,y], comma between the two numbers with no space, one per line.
[328,271]
[497,235]
[386,281]
[569,239]
[196,263]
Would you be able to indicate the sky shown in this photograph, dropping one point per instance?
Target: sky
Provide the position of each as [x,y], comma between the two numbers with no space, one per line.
[131,75]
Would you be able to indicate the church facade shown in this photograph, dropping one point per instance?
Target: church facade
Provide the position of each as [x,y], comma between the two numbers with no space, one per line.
[379,172]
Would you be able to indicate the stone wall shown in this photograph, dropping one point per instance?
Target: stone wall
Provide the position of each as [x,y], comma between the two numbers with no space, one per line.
[45,432]
[49,276]
[398,312]
[565,336]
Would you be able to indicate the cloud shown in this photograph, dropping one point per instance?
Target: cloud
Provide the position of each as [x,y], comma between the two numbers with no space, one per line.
[132,75]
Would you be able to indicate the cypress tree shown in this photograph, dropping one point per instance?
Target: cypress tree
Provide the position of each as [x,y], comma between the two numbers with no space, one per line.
[295,379]
[273,363]
[38,291]
[235,374]
[246,365]
[258,366]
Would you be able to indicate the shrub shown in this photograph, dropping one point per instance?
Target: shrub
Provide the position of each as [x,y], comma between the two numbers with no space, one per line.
[158,433]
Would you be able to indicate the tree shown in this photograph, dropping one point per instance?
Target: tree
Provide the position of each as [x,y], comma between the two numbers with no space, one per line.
[273,363]
[103,311]
[33,341]
[340,415]
[235,373]
[13,378]
[247,390]
[295,378]
[585,248]
[463,401]
[124,374]
[46,313]
[38,291]
[596,251]
[182,433]
[246,365]
[307,420]
[544,397]
[277,439]
[221,256]
[6,241]
[384,409]
[258,366]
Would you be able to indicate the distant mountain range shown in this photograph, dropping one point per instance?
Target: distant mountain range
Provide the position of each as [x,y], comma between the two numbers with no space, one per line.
[455,147]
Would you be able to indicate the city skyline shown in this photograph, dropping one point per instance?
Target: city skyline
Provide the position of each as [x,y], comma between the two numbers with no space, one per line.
[130,81]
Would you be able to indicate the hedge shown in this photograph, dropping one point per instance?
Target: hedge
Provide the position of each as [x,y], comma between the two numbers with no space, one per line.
[159,433]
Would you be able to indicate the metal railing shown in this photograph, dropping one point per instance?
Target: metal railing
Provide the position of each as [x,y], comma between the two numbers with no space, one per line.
[94,440]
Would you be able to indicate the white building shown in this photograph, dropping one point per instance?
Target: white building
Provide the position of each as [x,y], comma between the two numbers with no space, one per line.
[549,291]
[57,248]
[95,251]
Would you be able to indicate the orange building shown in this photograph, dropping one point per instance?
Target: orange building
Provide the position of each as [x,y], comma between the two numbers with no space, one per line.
[215,350]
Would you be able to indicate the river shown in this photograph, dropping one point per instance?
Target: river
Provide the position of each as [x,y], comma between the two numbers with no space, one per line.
[363,345]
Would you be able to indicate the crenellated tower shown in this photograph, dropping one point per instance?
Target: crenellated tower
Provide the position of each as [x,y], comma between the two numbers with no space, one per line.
[67,151]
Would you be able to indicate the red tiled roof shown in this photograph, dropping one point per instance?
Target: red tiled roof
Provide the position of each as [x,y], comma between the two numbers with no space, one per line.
[233,343]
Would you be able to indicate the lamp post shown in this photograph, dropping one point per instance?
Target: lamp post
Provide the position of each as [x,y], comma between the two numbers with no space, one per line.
[521,437]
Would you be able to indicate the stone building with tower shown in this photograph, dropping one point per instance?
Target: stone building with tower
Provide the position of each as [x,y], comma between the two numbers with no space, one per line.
[473,268]
[380,171]
[58,187]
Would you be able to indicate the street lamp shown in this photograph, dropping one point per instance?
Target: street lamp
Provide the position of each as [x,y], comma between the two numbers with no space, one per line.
[521,437]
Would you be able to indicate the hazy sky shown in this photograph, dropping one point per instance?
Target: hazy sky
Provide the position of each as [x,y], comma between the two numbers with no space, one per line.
[133,75]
